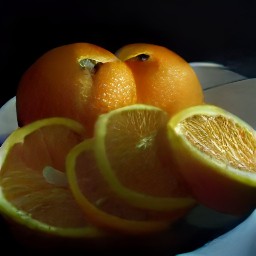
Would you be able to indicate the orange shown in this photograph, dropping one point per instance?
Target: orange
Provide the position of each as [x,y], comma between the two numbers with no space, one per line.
[163,78]
[101,204]
[215,152]
[130,151]
[33,187]
[78,81]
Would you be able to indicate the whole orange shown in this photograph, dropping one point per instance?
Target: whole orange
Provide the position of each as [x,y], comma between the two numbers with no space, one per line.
[163,78]
[77,80]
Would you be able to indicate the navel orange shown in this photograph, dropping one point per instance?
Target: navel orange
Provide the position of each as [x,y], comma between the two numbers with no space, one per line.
[78,81]
[163,78]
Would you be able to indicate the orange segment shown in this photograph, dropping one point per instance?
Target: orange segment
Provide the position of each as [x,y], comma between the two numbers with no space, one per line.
[100,204]
[163,78]
[215,152]
[129,151]
[33,185]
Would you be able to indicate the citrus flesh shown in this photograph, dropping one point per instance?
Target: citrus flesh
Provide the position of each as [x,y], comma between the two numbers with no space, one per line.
[78,81]
[99,202]
[163,78]
[128,152]
[33,185]
[215,152]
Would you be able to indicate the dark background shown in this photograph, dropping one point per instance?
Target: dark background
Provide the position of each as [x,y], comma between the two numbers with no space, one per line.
[220,31]
[217,31]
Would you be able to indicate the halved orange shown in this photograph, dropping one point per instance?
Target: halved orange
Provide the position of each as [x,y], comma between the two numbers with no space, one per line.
[215,152]
[101,204]
[129,148]
[33,187]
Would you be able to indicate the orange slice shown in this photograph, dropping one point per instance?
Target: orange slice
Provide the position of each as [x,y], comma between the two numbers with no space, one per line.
[129,147]
[33,186]
[215,151]
[100,204]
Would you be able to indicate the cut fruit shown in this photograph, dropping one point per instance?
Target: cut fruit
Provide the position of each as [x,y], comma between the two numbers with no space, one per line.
[33,190]
[129,148]
[215,152]
[101,205]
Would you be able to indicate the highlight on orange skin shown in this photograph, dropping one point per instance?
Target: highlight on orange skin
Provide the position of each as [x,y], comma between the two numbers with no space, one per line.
[163,78]
[78,81]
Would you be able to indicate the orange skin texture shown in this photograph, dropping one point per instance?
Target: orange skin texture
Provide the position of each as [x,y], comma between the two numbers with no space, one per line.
[56,85]
[164,80]
[211,187]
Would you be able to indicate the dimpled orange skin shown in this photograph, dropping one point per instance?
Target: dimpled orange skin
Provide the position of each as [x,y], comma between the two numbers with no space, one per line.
[163,78]
[57,84]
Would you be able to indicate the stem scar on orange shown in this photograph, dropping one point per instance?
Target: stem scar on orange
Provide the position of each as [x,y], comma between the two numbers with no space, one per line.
[78,81]
[215,151]
[163,78]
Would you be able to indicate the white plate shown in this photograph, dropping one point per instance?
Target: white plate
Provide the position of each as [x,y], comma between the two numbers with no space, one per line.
[212,74]
[240,241]
[8,119]
[237,97]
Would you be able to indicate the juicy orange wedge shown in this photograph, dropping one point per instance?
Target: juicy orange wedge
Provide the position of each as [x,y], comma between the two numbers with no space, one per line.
[215,152]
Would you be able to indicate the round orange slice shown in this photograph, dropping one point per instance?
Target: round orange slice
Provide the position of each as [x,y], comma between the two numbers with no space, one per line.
[100,203]
[33,187]
[129,148]
[215,152]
